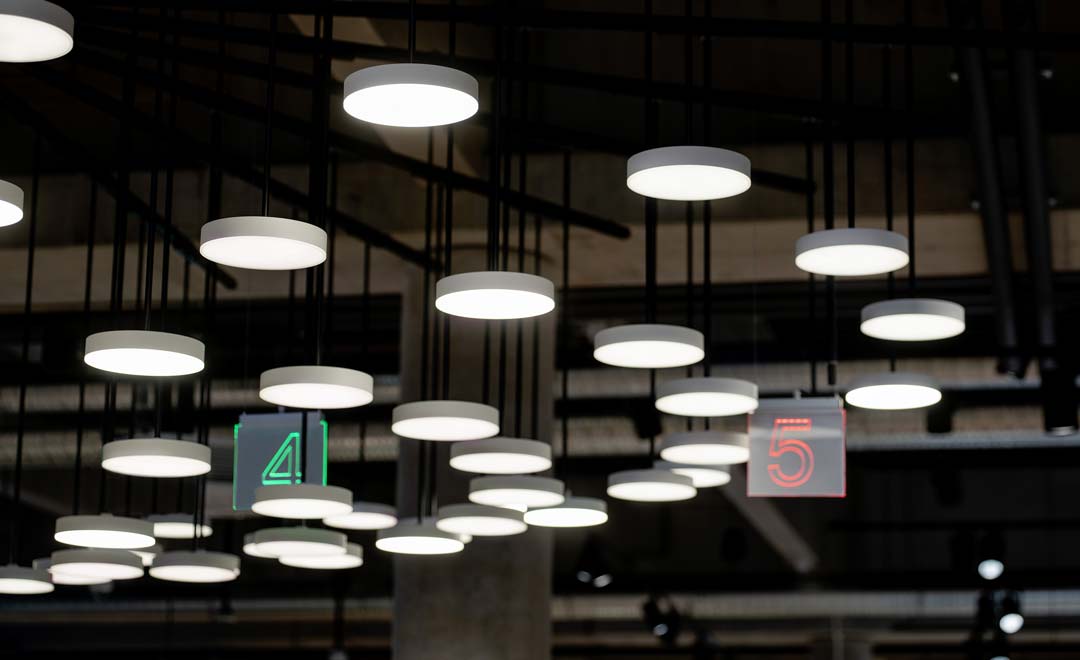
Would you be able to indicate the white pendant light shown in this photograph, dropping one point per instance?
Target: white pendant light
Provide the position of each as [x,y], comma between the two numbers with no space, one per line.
[480,520]
[198,567]
[96,563]
[22,581]
[413,538]
[411,95]
[353,557]
[364,516]
[156,457]
[316,387]
[649,346]
[144,353]
[45,564]
[705,448]
[495,295]
[893,391]
[688,173]
[104,531]
[517,491]
[147,554]
[650,486]
[573,512]
[178,526]
[912,319]
[702,476]
[34,31]
[251,548]
[302,501]
[258,242]
[707,397]
[445,421]
[851,252]
[277,542]
[11,196]
[501,456]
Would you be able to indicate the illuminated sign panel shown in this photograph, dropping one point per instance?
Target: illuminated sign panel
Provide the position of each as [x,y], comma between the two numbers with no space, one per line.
[267,452]
[797,449]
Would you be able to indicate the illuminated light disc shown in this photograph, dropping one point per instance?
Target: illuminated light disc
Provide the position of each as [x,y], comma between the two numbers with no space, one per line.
[147,554]
[34,31]
[364,516]
[251,548]
[102,564]
[302,501]
[497,295]
[199,567]
[316,387]
[22,581]
[706,397]
[573,512]
[517,491]
[445,421]
[480,520]
[893,391]
[156,457]
[178,526]
[688,173]
[912,319]
[411,95]
[851,252]
[991,569]
[650,486]
[279,542]
[11,196]
[353,557]
[1011,623]
[649,346]
[144,353]
[501,456]
[705,448]
[702,476]
[259,242]
[413,538]
[45,563]
[104,531]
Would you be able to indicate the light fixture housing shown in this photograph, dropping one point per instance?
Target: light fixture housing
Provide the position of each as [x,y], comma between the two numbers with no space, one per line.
[893,390]
[34,31]
[198,567]
[418,538]
[494,295]
[158,458]
[688,173]
[706,397]
[353,557]
[251,548]
[702,476]
[277,542]
[316,387]
[501,456]
[97,563]
[11,195]
[22,581]
[411,95]
[991,569]
[445,421]
[705,448]
[649,346]
[178,526]
[912,319]
[147,554]
[45,563]
[257,242]
[480,520]
[518,492]
[851,252]
[650,486]
[104,531]
[573,512]
[364,516]
[145,353]
[1011,620]
[302,501]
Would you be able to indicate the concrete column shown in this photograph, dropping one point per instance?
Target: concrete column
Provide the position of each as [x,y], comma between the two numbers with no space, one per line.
[492,601]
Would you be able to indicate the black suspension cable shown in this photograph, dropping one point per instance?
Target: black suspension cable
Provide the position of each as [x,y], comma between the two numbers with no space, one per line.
[651,137]
[412,30]
[909,143]
[811,297]
[318,178]
[828,201]
[496,148]
[268,128]
[449,198]
[887,157]
[523,159]
[688,57]
[365,331]
[849,84]
[91,230]
[425,314]
[564,319]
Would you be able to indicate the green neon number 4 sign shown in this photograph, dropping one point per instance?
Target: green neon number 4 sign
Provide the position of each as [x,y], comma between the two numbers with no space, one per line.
[284,467]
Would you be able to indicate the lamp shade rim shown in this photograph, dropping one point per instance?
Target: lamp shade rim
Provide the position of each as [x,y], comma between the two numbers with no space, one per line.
[194,456]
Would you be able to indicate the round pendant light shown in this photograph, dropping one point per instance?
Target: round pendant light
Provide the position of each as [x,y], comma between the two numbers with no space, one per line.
[45,564]
[495,295]
[156,457]
[364,516]
[517,491]
[353,557]
[22,581]
[144,353]
[649,346]
[650,486]
[258,242]
[501,456]
[34,31]
[445,421]
[279,542]
[198,567]
[147,554]
[912,319]
[178,526]
[893,391]
[302,501]
[851,252]
[95,563]
[104,531]
[412,538]
[251,548]
[480,520]
[705,448]
[11,197]
[411,95]
[688,173]
[702,476]
[707,397]
[316,387]
[573,512]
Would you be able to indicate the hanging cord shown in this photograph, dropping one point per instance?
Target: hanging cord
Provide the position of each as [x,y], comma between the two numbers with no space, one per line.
[436,326]
[909,143]
[433,470]
[849,84]
[425,314]
[268,128]
[496,147]
[91,230]
[448,244]
[331,257]
[811,280]
[523,159]
[651,137]
[166,243]
[564,320]
[688,57]
[421,486]
[412,30]
[887,157]
[185,313]
[318,179]
[829,200]
[365,329]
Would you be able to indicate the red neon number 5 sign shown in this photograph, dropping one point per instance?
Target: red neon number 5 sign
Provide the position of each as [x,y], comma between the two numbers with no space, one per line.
[781,443]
